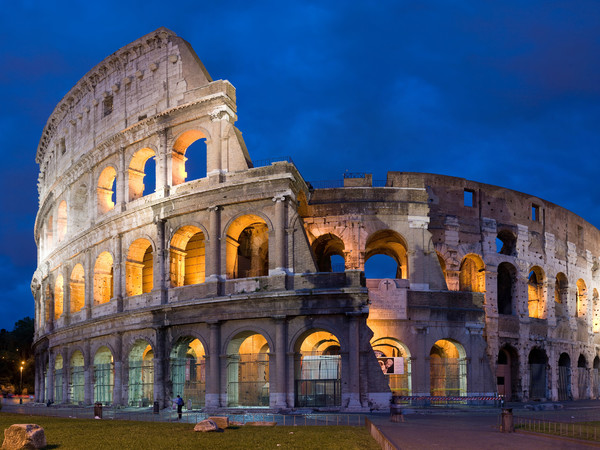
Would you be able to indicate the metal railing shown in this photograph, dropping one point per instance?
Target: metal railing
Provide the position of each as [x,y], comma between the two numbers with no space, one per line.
[576,430]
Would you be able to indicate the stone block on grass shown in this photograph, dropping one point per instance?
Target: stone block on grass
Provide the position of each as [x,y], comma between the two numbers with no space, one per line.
[221,421]
[206,425]
[24,436]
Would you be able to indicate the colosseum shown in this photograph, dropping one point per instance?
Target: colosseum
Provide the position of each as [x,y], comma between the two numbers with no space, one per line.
[243,285]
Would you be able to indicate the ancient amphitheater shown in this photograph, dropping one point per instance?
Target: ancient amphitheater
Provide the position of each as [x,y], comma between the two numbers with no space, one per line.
[244,286]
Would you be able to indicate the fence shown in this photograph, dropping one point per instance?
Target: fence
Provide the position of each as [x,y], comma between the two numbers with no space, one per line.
[426,401]
[577,430]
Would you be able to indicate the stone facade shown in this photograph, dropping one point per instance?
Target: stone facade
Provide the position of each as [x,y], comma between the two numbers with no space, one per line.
[225,288]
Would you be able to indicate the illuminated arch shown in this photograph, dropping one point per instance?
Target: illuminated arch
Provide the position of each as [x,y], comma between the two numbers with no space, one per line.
[61,221]
[472,274]
[103,278]
[248,370]
[247,247]
[59,287]
[179,159]
[392,244]
[137,172]
[139,270]
[188,370]
[104,375]
[141,374]
[448,369]
[536,299]
[77,288]
[398,374]
[187,256]
[106,189]
[77,378]
[581,297]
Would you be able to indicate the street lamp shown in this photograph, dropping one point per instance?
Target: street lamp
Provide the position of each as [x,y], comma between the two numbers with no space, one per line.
[22,377]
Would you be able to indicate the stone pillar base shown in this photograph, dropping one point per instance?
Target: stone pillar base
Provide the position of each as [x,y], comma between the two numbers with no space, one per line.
[211,400]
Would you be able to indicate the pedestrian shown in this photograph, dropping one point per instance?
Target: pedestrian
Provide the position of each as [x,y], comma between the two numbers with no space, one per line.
[179,403]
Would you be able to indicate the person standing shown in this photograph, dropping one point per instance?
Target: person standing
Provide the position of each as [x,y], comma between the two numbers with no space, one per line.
[179,403]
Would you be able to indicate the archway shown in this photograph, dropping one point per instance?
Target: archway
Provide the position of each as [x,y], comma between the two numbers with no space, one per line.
[506,243]
[104,376]
[392,244]
[180,157]
[596,378]
[472,274]
[583,378]
[77,288]
[248,370]
[325,248]
[581,296]
[506,288]
[248,247]
[58,379]
[187,261]
[58,297]
[507,373]
[141,374]
[537,374]
[564,377]
[106,190]
[188,370]
[139,268]
[137,173]
[77,378]
[561,290]
[395,361]
[103,278]
[318,370]
[447,369]
[535,293]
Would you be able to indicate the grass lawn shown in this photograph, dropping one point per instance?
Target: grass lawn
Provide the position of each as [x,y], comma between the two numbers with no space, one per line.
[120,434]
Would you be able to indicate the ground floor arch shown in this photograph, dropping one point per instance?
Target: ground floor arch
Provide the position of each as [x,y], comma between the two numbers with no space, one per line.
[507,373]
[77,378]
[538,380]
[58,379]
[248,370]
[564,377]
[583,378]
[395,361]
[188,370]
[141,374]
[318,370]
[447,369]
[104,376]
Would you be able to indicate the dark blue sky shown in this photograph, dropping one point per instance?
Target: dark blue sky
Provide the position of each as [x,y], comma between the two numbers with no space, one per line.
[496,92]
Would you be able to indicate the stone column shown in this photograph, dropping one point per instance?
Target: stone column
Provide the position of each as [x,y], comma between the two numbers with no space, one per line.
[88,361]
[352,373]
[214,244]
[119,273]
[163,166]
[280,238]
[51,367]
[89,285]
[159,368]
[160,262]
[118,362]
[213,385]
[278,394]
[420,364]
[122,184]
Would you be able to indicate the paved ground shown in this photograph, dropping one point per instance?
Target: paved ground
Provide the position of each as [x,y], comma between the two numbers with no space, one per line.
[478,428]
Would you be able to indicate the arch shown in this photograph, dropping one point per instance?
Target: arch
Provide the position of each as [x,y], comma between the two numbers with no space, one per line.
[187,256]
[61,221]
[506,288]
[583,378]
[104,375]
[188,370]
[581,298]
[103,278]
[49,234]
[139,268]
[538,381]
[442,262]
[137,172]
[596,378]
[395,362]
[59,286]
[564,377]
[324,248]
[536,298]
[507,373]
[77,378]
[247,247]
[317,369]
[179,159]
[472,274]
[77,288]
[506,243]
[248,370]
[389,243]
[106,189]
[47,303]
[447,369]
[58,379]
[560,288]
[141,374]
